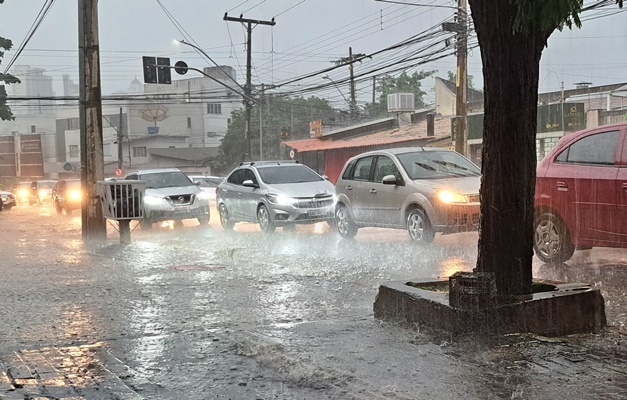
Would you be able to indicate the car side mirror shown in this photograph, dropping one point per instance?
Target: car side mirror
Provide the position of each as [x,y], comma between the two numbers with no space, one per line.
[249,183]
[389,180]
[196,183]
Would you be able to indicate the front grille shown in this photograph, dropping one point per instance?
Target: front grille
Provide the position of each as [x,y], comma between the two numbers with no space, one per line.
[314,203]
[181,199]
[473,198]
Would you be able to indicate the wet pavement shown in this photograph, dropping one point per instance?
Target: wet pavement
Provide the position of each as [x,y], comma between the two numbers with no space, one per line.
[199,313]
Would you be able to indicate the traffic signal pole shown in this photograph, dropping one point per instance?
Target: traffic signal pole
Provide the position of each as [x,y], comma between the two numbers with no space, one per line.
[90,106]
[248,89]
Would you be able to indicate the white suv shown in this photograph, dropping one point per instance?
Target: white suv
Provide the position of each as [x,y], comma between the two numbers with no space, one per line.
[171,195]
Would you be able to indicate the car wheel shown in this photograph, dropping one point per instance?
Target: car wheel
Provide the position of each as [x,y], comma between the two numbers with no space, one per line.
[265,221]
[203,220]
[225,219]
[419,227]
[551,239]
[344,223]
[146,224]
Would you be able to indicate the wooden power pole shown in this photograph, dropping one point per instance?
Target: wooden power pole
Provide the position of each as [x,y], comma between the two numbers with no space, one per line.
[90,106]
[461,111]
[248,89]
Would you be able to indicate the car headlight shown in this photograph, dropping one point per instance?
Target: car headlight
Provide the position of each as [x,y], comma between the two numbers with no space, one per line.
[75,195]
[23,193]
[448,197]
[153,201]
[283,200]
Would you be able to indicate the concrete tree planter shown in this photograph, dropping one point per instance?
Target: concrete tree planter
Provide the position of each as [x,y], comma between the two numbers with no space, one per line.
[571,308]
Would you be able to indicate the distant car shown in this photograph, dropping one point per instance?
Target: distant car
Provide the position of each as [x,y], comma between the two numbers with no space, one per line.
[424,190]
[23,193]
[274,193]
[581,194]
[171,195]
[41,191]
[207,184]
[8,200]
[67,196]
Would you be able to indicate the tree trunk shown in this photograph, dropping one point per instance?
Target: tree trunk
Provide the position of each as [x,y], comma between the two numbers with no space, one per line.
[511,65]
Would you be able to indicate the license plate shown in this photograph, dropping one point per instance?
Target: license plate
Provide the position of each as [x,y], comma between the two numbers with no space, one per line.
[316,213]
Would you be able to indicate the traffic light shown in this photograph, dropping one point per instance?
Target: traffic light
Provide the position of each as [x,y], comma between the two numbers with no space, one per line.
[157,70]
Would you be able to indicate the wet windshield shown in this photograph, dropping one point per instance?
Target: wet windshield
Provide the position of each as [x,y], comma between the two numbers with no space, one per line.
[165,180]
[288,174]
[437,164]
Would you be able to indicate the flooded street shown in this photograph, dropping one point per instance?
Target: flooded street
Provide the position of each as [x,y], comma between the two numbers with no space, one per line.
[199,313]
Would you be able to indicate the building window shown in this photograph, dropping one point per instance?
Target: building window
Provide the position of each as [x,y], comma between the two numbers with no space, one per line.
[214,108]
[189,122]
[73,151]
[140,152]
[33,129]
[106,149]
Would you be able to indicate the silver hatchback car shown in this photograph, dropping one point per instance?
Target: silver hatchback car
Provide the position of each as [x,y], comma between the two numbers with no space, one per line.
[275,193]
[424,190]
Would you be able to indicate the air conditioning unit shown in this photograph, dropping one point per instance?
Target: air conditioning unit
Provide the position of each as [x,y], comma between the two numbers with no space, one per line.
[400,102]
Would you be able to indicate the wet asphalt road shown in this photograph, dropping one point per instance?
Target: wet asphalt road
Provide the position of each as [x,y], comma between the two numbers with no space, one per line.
[199,313]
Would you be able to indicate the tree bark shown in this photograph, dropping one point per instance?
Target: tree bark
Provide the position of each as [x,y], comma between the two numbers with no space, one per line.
[511,67]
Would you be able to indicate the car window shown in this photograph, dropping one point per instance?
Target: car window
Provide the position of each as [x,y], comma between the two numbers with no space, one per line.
[594,149]
[385,166]
[281,174]
[237,177]
[437,164]
[132,177]
[362,168]
[249,175]
[348,172]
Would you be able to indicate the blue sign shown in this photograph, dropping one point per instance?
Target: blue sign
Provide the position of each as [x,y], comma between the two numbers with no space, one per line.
[153,130]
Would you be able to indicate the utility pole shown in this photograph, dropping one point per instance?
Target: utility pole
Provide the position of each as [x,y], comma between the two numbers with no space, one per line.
[461,112]
[248,89]
[374,89]
[90,106]
[261,125]
[350,68]
[120,136]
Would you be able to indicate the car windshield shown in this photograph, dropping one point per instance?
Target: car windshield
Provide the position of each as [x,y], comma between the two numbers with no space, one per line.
[74,184]
[288,174]
[437,164]
[165,180]
[207,182]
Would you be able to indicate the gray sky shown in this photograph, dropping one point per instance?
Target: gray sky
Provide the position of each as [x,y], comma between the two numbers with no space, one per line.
[306,38]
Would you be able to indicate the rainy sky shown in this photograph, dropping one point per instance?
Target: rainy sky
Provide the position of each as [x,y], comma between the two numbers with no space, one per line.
[308,36]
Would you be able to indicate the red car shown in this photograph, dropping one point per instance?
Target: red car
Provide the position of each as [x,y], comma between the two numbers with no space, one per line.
[581,194]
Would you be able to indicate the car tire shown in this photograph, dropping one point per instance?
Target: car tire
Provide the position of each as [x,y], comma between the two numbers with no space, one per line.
[344,223]
[551,240]
[225,218]
[203,220]
[419,227]
[265,219]
[146,224]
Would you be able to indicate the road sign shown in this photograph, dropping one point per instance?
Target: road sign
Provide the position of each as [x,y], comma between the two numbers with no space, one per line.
[157,70]
[67,166]
[118,172]
[180,67]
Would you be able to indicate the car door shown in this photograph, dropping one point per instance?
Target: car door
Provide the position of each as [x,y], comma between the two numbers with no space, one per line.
[385,201]
[583,179]
[230,193]
[357,190]
[249,196]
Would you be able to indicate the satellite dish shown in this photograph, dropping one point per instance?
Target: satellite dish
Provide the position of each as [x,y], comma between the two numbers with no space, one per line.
[155,113]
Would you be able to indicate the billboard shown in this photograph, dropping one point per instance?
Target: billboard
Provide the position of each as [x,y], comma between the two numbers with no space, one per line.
[315,129]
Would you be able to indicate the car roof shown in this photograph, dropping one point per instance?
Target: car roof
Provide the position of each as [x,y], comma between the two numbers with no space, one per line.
[401,150]
[266,164]
[205,176]
[155,171]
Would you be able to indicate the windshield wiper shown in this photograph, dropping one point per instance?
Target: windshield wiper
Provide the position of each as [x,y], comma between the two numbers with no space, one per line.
[426,166]
[450,164]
